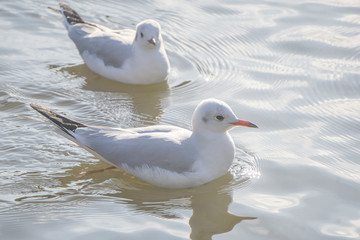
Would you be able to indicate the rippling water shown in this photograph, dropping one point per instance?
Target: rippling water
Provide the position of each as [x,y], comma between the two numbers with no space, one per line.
[291,67]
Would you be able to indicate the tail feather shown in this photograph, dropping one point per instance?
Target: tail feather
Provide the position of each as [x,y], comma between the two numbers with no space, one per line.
[71,16]
[65,124]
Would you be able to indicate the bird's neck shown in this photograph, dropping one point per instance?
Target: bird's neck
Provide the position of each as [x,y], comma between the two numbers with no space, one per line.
[137,48]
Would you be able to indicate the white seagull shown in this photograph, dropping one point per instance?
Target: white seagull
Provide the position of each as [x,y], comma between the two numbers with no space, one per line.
[163,155]
[127,56]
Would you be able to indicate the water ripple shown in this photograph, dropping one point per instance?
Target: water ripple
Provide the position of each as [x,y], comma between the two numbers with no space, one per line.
[290,67]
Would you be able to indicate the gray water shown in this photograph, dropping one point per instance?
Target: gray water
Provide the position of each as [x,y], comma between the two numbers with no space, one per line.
[291,67]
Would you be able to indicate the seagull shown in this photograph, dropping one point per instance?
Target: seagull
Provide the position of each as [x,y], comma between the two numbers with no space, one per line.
[163,155]
[127,56]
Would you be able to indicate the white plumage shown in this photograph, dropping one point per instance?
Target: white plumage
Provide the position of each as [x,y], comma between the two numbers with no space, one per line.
[163,155]
[127,56]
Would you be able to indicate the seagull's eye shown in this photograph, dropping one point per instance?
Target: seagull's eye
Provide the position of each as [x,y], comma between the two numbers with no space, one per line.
[141,34]
[219,117]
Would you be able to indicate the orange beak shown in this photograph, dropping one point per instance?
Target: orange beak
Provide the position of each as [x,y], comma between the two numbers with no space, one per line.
[152,41]
[244,124]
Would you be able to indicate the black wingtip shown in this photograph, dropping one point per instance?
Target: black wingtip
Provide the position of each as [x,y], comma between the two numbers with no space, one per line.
[72,17]
[38,108]
[61,122]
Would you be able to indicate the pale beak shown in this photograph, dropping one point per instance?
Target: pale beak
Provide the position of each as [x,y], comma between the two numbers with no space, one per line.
[244,124]
[152,41]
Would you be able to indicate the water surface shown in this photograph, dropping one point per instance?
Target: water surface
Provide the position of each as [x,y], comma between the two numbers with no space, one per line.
[291,67]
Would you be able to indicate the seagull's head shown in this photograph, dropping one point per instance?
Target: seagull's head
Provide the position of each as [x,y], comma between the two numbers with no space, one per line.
[148,34]
[216,116]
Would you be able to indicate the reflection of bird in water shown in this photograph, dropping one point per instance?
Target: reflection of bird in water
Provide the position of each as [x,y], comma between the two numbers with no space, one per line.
[211,216]
[209,203]
[144,102]
[163,155]
[127,56]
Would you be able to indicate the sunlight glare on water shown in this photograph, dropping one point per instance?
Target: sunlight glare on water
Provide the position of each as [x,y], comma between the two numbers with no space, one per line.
[290,67]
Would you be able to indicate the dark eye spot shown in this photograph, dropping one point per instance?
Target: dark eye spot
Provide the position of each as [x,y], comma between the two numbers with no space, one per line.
[141,34]
[219,117]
